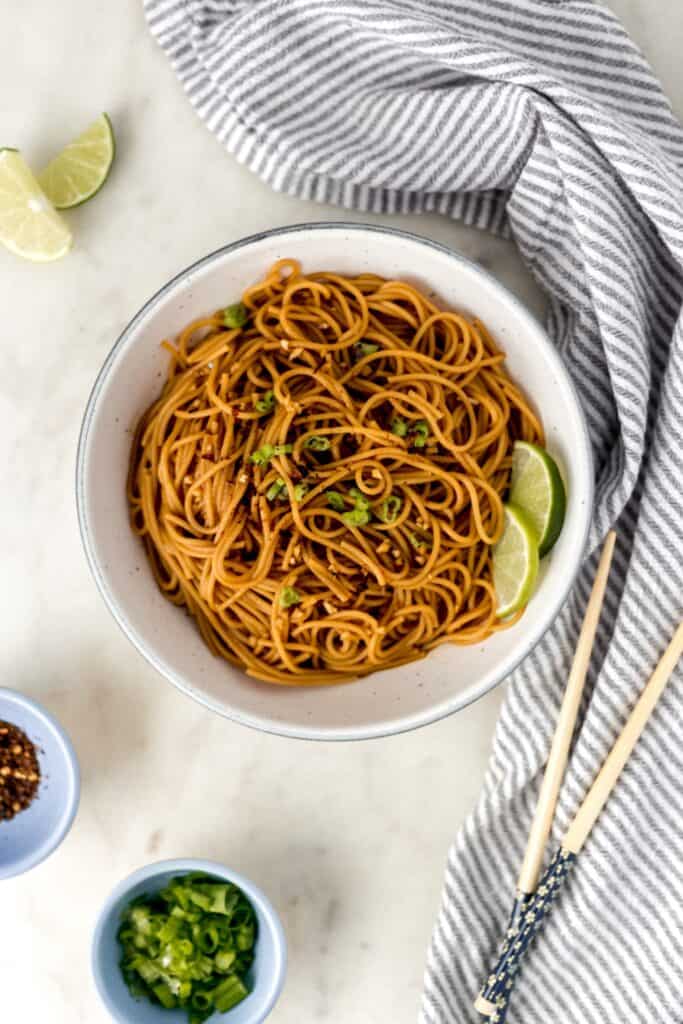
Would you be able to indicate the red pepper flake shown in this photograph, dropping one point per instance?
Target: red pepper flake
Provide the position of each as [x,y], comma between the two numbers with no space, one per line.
[19,771]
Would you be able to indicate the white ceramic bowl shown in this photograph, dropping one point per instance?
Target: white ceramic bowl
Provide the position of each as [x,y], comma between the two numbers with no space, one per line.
[385,702]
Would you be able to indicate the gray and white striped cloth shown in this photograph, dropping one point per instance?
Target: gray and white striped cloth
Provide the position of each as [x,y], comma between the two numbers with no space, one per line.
[541,120]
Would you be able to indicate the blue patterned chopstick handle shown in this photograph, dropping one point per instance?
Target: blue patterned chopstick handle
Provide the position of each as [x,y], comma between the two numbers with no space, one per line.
[527,917]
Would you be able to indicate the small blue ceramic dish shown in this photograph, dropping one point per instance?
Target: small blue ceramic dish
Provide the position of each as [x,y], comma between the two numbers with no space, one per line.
[35,833]
[264,980]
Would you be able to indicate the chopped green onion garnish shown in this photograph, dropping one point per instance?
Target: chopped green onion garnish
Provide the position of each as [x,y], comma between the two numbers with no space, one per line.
[164,995]
[360,499]
[419,541]
[245,937]
[202,1001]
[420,431]
[224,960]
[265,404]
[365,348]
[359,515]
[265,453]
[399,427]
[390,508]
[335,500]
[228,994]
[275,488]
[289,596]
[278,487]
[235,315]
[317,444]
[189,945]
[208,938]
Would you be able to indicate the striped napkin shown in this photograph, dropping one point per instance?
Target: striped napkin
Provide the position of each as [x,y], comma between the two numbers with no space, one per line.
[539,120]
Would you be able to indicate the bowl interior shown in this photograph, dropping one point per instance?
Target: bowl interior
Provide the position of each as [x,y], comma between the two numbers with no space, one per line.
[34,833]
[265,978]
[385,702]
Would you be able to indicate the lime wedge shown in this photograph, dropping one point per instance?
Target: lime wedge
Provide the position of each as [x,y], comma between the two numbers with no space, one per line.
[29,226]
[536,486]
[515,562]
[82,168]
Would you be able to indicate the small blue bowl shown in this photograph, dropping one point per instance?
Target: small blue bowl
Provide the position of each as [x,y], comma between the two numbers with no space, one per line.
[35,833]
[266,975]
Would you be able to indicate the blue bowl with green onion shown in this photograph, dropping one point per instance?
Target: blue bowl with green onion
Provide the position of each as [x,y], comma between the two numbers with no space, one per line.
[188,941]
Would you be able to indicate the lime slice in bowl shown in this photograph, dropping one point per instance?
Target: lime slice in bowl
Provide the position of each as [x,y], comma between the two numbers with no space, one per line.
[536,487]
[82,167]
[515,562]
[29,225]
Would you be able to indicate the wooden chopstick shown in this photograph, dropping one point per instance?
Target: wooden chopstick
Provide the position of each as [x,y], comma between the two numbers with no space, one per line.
[597,795]
[495,995]
[564,730]
[557,760]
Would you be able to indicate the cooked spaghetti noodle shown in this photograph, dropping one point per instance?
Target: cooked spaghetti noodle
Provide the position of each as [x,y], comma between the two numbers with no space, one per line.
[321,486]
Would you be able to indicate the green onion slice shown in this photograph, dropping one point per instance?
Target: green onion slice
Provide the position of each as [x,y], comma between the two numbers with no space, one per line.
[275,489]
[263,455]
[357,517]
[317,444]
[335,500]
[399,427]
[224,960]
[360,514]
[420,432]
[289,596]
[360,499]
[229,993]
[390,508]
[365,348]
[265,404]
[235,315]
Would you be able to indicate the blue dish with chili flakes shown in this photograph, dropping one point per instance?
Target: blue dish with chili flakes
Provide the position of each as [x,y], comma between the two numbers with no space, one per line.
[36,831]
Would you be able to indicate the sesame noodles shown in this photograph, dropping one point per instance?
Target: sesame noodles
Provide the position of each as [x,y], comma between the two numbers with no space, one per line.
[320,482]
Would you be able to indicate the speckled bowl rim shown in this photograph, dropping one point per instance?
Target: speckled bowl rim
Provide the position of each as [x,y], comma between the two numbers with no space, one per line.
[414,721]
[73,791]
[181,866]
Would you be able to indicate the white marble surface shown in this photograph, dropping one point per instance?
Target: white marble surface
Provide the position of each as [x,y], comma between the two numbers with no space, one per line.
[348,840]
